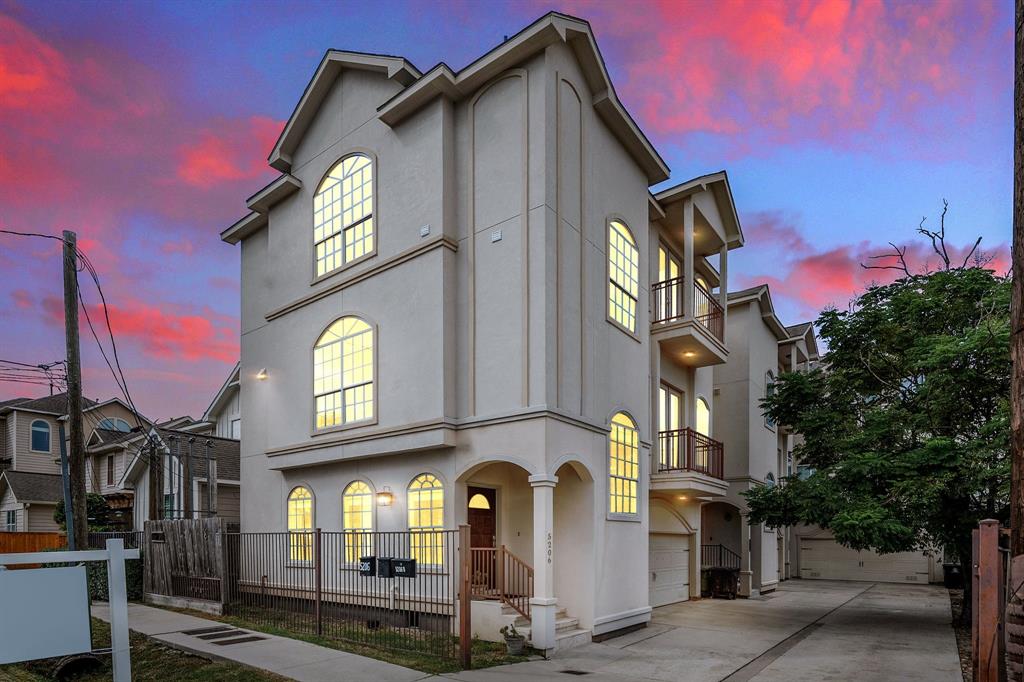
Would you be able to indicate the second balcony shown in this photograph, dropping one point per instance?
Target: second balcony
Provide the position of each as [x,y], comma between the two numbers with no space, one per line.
[689,462]
[688,323]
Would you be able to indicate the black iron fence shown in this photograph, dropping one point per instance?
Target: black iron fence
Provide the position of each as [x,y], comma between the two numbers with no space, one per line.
[718,556]
[133,539]
[358,587]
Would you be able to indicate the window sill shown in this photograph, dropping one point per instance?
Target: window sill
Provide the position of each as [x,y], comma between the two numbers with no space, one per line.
[629,518]
[625,330]
[344,427]
[347,266]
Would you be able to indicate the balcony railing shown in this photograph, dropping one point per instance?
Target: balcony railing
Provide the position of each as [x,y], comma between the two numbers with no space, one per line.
[687,450]
[718,556]
[668,306]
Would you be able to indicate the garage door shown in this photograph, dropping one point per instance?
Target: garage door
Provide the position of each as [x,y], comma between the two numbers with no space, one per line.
[825,559]
[669,568]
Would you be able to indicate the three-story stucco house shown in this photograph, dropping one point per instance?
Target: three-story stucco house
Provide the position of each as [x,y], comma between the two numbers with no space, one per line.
[461,295]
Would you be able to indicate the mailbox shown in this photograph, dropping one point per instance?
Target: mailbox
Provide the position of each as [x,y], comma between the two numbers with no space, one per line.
[368,565]
[403,568]
[385,568]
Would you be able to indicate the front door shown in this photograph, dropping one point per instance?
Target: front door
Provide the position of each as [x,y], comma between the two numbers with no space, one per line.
[482,516]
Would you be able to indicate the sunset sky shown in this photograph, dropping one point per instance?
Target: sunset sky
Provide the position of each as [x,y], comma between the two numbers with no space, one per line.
[144,126]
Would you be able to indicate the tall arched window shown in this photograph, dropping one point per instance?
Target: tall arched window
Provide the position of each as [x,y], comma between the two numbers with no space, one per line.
[343,373]
[357,520]
[426,518]
[114,424]
[343,214]
[300,524]
[40,436]
[623,465]
[623,275]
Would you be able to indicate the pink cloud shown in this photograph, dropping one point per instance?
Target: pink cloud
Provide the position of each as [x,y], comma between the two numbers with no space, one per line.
[183,247]
[22,299]
[224,152]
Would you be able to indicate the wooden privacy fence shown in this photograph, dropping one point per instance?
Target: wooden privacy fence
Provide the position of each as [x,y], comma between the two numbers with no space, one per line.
[360,587]
[988,603]
[14,542]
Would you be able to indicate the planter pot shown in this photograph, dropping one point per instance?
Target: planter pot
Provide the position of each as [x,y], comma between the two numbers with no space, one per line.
[515,645]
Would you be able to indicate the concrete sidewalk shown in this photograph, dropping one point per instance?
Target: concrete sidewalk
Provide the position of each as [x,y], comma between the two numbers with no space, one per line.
[286,657]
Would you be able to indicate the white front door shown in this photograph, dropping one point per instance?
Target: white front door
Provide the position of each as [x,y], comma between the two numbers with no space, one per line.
[669,568]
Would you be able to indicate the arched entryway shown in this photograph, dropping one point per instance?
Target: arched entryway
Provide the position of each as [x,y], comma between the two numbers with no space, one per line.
[573,546]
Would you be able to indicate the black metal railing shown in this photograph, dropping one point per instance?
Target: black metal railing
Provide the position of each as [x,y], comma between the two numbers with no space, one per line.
[718,556]
[133,539]
[669,306]
[668,300]
[688,450]
[708,311]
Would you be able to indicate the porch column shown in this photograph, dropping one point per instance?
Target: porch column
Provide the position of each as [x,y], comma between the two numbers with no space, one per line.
[688,281]
[746,556]
[723,282]
[695,557]
[543,604]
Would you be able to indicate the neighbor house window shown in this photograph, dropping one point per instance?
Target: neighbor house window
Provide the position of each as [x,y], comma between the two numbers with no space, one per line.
[623,465]
[623,275]
[343,214]
[116,424]
[357,520]
[300,524]
[236,429]
[40,436]
[426,519]
[110,470]
[11,521]
[769,391]
[343,373]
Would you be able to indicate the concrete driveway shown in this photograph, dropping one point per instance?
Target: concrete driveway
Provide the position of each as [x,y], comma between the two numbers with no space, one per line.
[806,630]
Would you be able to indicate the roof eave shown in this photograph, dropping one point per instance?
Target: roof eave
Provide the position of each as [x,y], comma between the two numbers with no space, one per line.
[247,226]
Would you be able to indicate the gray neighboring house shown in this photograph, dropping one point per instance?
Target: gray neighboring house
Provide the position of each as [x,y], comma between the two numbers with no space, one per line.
[27,501]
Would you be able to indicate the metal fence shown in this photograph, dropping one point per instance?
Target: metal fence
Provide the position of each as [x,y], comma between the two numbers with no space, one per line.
[342,585]
[133,539]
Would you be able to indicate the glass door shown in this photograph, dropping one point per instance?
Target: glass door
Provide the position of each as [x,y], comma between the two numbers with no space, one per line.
[669,413]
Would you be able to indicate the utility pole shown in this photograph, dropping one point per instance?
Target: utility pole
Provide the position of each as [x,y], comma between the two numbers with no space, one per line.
[76,461]
[187,476]
[211,481]
[1017,305]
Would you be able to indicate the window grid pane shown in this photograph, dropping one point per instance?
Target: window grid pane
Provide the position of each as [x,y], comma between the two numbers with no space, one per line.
[300,525]
[343,373]
[623,276]
[357,521]
[343,214]
[426,513]
[623,466]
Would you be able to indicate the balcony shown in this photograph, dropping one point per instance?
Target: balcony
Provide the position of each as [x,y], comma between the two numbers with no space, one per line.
[689,462]
[698,339]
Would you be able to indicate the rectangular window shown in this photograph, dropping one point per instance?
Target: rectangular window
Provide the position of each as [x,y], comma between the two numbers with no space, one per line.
[40,436]
[11,521]
[236,429]
[110,470]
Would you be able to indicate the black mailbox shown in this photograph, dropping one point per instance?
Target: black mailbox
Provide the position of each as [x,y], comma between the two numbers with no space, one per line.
[368,565]
[403,568]
[385,568]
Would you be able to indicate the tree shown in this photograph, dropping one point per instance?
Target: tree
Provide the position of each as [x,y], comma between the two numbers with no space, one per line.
[906,427]
[98,513]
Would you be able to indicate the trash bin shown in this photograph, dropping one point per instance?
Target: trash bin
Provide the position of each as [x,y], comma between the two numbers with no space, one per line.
[952,576]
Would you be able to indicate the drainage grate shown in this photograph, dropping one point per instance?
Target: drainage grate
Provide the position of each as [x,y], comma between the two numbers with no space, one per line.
[238,640]
[575,672]
[220,635]
[203,631]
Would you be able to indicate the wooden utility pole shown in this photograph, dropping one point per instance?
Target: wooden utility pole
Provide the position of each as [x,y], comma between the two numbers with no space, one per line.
[187,478]
[76,446]
[1017,305]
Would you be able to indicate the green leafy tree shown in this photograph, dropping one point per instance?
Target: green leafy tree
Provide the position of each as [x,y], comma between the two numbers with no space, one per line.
[97,509]
[906,426]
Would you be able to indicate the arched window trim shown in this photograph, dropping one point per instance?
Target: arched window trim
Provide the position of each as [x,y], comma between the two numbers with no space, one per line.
[372,384]
[613,287]
[700,399]
[342,259]
[427,544]
[623,472]
[300,541]
[358,540]
[32,433]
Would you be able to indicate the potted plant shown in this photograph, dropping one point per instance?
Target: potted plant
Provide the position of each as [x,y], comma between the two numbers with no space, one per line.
[514,640]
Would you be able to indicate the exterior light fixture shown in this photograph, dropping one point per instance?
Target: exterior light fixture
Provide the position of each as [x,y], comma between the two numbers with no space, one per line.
[262,374]
[689,354]
[384,497]
[683,497]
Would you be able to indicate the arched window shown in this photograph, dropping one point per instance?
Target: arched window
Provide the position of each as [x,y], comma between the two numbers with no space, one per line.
[769,391]
[115,424]
[343,373]
[40,436]
[300,524]
[623,465]
[357,520]
[343,214]
[426,517]
[623,275]
[702,425]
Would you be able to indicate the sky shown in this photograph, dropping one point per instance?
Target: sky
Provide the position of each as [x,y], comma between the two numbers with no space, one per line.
[144,126]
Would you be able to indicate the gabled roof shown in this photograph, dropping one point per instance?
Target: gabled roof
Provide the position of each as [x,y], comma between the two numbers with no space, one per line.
[229,386]
[30,487]
[762,296]
[331,66]
[718,184]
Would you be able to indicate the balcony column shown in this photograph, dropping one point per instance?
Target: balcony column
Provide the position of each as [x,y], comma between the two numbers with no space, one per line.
[543,604]
[746,566]
[688,281]
[793,364]
[723,282]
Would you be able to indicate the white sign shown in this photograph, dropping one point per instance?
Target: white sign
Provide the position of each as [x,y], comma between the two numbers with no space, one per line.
[45,613]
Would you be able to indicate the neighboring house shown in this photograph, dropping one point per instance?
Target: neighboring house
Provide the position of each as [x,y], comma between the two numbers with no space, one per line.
[759,450]
[461,296]
[27,501]
[222,418]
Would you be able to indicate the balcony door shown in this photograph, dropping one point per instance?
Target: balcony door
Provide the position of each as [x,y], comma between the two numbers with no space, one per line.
[669,297]
[702,425]
[670,403]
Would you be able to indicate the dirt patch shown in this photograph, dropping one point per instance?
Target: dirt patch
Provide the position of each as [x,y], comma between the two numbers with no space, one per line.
[963,632]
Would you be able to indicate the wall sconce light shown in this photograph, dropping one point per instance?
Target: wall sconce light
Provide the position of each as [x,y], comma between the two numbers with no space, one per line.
[262,374]
[689,354]
[384,497]
[683,497]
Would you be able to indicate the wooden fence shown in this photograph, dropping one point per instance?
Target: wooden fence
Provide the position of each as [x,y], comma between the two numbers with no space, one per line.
[184,563]
[17,542]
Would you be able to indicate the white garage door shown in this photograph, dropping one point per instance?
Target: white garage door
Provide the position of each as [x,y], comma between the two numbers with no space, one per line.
[669,568]
[824,559]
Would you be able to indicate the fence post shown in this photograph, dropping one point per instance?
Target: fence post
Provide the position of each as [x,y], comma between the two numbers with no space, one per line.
[465,580]
[985,620]
[118,599]
[318,577]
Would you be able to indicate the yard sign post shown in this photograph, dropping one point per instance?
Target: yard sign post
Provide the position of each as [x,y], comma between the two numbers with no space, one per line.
[61,600]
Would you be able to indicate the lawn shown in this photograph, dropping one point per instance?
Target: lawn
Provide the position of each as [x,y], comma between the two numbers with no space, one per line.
[151,661]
